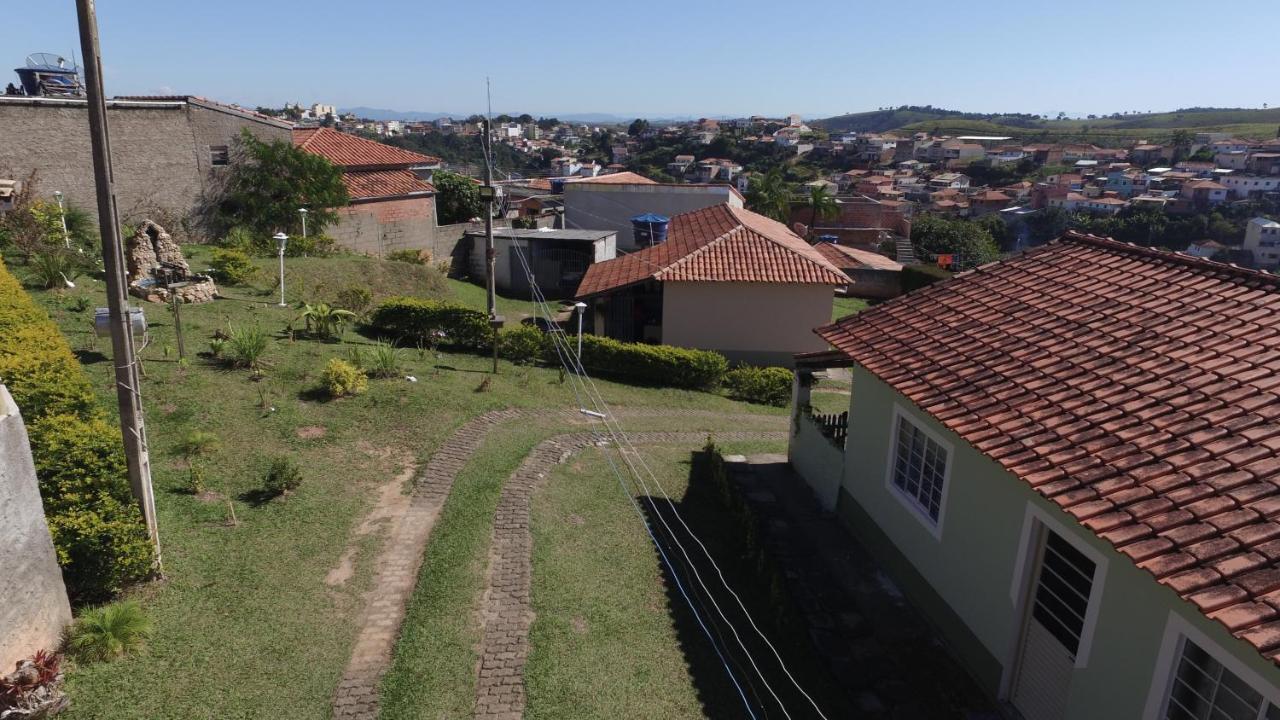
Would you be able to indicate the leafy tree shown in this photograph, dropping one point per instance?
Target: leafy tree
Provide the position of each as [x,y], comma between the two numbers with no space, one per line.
[637,126]
[969,244]
[457,198]
[1180,139]
[999,231]
[269,181]
[770,196]
[1046,225]
[821,204]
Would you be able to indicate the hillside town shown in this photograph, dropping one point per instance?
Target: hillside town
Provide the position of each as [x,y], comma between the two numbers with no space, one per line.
[316,410]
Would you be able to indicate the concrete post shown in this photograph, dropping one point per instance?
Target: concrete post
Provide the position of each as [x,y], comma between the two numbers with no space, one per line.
[33,600]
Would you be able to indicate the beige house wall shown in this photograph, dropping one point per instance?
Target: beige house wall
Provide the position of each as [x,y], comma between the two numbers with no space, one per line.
[758,323]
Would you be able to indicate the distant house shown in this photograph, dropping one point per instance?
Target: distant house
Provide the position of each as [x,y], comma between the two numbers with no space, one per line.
[609,202]
[1250,186]
[726,279]
[1147,154]
[988,201]
[871,275]
[1203,193]
[942,181]
[1262,240]
[1070,462]
[393,203]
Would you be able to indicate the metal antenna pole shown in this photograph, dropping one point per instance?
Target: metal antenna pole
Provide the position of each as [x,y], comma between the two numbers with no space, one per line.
[490,254]
[128,389]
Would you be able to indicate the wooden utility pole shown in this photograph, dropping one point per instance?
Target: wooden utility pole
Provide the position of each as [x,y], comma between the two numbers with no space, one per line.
[128,390]
[490,254]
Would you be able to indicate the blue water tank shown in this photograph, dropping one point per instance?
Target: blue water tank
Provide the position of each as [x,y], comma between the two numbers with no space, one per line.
[650,229]
[557,185]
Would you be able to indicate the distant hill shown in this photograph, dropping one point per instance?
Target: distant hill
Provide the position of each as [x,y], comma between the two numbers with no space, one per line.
[894,118]
[403,116]
[384,114]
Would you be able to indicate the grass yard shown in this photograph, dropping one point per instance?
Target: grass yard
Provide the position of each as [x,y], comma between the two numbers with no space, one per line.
[256,619]
[472,295]
[845,306]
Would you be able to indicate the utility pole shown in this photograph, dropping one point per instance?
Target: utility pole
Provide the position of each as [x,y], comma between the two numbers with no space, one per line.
[128,389]
[487,193]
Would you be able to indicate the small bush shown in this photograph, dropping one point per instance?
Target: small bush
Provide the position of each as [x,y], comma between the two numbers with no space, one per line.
[340,378]
[311,246]
[242,240]
[216,347]
[915,277]
[522,344]
[245,347]
[653,364]
[232,267]
[109,632]
[415,257]
[54,267]
[765,386]
[356,298]
[383,360]
[417,321]
[283,476]
[324,321]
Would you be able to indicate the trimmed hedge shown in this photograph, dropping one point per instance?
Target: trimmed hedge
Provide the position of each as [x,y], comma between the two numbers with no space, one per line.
[763,385]
[97,529]
[653,364]
[418,321]
[524,345]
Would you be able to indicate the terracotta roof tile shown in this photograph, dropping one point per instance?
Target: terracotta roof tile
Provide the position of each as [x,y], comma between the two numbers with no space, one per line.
[720,243]
[350,152]
[850,258]
[366,184]
[1133,387]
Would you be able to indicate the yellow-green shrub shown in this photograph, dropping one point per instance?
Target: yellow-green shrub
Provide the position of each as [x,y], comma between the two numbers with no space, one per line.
[420,321]
[764,385]
[341,378]
[97,529]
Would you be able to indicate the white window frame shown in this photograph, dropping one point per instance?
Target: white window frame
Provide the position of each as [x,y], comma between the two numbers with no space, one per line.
[1176,629]
[911,504]
[1035,521]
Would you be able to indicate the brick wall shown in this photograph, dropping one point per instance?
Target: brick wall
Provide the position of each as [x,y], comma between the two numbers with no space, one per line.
[33,600]
[160,151]
[381,227]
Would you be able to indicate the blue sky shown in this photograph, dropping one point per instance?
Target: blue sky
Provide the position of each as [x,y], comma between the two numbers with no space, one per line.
[656,58]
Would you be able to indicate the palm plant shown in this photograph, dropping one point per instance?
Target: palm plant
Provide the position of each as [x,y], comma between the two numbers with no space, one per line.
[55,267]
[109,632]
[324,320]
[383,361]
[770,196]
[821,204]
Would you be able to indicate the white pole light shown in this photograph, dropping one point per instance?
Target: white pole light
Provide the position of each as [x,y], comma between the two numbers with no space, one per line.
[582,309]
[281,241]
[303,213]
[66,237]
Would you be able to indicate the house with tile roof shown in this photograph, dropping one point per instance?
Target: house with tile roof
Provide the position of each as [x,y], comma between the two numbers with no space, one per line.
[1069,460]
[871,275]
[393,204]
[726,279]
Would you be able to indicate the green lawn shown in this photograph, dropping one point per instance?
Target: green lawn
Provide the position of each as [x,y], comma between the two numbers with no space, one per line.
[844,306]
[473,295]
[245,625]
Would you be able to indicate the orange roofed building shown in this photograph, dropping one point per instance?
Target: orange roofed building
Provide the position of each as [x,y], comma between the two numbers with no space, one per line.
[393,204]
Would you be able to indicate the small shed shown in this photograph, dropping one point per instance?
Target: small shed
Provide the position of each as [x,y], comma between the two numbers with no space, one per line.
[558,258]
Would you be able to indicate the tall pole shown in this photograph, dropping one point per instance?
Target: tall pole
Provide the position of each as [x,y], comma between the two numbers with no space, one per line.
[490,254]
[128,389]
[282,302]
[62,212]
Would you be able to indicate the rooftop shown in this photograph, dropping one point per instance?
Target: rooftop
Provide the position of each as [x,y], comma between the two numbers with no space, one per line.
[1135,388]
[844,256]
[356,153]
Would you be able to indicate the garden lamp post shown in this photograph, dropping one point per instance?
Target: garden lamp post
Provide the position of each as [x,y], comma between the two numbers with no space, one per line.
[303,213]
[62,213]
[281,241]
[581,307]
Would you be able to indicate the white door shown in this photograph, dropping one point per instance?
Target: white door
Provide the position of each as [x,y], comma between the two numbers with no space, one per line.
[1051,637]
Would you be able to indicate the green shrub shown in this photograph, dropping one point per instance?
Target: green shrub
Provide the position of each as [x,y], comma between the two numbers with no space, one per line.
[283,476]
[417,321]
[232,267]
[763,385]
[653,364]
[523,344]
[309,246]
[245,347]
[97,528]
[240,239]
[325,321]
[915,277]
[54,267]
[109,632]
[340,378]
[356,298]
[415,257]
[383,360]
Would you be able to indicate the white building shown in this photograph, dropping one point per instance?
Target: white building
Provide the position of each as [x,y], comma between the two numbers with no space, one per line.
[1245,186]
[1262,238]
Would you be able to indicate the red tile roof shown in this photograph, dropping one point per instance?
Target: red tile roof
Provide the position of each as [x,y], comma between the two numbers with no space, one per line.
[622,178]
[720,243]
[356,153]
[845,257]
[366,184]
[1137,389]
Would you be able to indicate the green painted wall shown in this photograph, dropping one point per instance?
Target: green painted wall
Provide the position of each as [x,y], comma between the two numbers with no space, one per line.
[971,566]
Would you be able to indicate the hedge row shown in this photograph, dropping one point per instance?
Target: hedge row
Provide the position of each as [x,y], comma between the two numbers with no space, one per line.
[97,528]
[432,322]
[653,364]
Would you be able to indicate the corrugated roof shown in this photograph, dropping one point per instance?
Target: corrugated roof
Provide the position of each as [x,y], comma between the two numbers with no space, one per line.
[720,243]
[1137,389]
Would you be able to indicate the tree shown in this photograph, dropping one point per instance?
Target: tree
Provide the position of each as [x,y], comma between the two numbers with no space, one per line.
[1181,141]
[969,244]
[637,126]
[821,204]
[770,196]
[269,181]
[999,231]
[457,198]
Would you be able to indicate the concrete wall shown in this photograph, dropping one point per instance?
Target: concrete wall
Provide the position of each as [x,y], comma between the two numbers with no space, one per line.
[160,151]
[816,459]
[757,323]
[33,600]
[602,206]
[970,579]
